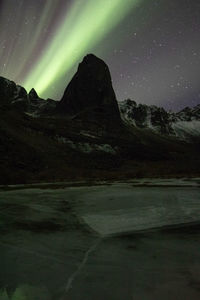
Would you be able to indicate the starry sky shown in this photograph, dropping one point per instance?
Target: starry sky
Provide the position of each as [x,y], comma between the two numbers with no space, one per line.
[152,47]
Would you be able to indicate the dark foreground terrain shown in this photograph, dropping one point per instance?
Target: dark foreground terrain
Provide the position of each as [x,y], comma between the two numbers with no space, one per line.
[48,252]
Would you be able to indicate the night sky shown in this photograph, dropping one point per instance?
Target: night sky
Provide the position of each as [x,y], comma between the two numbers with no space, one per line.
[152,47]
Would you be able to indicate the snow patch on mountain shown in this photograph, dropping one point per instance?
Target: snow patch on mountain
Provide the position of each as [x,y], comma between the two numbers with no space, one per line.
[186,129]
[87,147]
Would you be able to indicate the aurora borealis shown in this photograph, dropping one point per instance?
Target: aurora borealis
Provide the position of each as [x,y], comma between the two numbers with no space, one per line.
[151,47]
[75,37]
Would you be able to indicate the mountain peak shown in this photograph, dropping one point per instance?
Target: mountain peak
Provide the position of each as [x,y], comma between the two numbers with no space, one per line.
[91,91]
[92,59]
[91,56]
[94,66]
[33,94]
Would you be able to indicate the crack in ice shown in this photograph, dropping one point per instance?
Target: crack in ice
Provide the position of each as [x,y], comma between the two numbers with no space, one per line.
[81,266]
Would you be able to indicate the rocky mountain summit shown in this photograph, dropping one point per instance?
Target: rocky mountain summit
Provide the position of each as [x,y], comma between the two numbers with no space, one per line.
[90,97]
[184,125]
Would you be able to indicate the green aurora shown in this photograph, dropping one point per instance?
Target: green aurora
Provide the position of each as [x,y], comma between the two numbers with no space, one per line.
[83,27]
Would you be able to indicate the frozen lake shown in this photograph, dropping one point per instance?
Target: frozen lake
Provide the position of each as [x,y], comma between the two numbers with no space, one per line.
[70,242]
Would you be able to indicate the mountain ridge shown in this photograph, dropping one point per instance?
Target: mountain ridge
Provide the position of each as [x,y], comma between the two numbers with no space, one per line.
[156,118]
[184,124]
[43,141]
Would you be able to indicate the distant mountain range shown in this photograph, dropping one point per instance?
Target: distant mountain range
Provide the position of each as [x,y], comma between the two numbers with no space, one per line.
[89,134]
[92,89]
[184,125]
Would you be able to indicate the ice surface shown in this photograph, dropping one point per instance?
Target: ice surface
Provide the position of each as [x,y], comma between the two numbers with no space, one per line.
[129,210]
[45,250]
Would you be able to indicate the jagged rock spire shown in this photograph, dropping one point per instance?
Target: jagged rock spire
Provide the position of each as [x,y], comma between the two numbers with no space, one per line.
[91,90]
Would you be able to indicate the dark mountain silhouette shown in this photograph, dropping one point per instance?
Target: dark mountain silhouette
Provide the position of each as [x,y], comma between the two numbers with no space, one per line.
[90,88]
[12,94]
[90,97]
[33,95]
[86,135]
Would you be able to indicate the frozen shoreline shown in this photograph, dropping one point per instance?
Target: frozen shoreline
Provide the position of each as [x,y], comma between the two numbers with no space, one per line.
[171,182]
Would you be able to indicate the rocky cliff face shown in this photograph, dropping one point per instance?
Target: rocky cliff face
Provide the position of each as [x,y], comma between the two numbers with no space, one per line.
[184,125]
[16,97]
[90,94]
[12,94]
[144,116]
[189,114]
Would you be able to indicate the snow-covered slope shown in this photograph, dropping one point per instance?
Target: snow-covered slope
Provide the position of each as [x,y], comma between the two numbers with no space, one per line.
[186,129]
[184,125]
